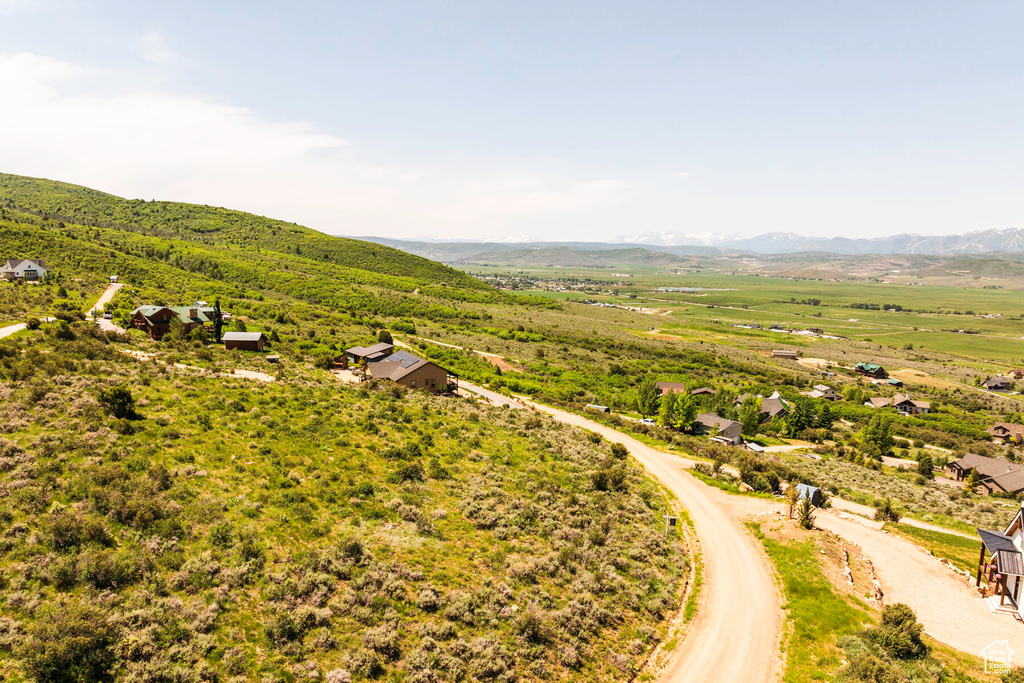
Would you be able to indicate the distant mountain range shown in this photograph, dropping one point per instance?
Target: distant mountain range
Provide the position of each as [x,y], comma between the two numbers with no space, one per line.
[1009,240]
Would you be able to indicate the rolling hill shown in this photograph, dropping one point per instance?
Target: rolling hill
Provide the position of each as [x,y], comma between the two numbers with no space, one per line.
[209,226]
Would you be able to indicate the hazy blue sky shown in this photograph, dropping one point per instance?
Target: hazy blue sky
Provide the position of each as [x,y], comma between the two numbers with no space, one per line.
[551,120]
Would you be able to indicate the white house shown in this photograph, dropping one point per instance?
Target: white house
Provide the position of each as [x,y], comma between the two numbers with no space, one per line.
[1004,569]
[27,269]
[823,391]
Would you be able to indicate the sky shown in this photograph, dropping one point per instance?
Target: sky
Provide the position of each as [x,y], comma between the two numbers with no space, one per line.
[530,120]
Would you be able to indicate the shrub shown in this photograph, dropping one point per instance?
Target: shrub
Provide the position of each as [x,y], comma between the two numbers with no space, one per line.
[412,471]
[619,452]
[887,511]
[383,640]
[32,323]
[1014,675]
[118,401]
[69,642]
[899,634]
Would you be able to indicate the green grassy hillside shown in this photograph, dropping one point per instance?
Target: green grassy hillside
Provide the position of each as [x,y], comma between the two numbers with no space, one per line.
[230,529]
[214,227]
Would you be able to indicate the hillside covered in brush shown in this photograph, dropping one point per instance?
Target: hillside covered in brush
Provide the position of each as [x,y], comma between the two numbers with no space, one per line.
[178,522]
[88,234]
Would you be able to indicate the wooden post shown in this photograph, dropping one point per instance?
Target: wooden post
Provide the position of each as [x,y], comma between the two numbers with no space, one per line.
[981,561]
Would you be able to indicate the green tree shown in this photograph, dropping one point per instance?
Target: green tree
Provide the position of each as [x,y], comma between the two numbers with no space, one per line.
[175,329]
[826,415]
[240,326]
[972,481]
[384,337]
[667,411]
[686,411]
[218,321]
[924,466]
[118,401]
[69,642]
[750,416]
[877,436]
[800,418]
[647,396]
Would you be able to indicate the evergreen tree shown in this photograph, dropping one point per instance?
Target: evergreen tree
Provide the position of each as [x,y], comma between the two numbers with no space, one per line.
[973,480]
[924,466]
[647,396]
[827,415]
[805,513]
[218,321]
[384,337]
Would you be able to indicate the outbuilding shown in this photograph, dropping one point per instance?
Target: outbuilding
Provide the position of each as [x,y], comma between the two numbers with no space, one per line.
[813,493]
[244,341]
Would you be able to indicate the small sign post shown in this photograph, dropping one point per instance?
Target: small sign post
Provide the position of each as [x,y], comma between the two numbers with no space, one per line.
[670,523]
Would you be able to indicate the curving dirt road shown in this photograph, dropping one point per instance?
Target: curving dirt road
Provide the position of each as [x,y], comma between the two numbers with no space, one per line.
[735,636]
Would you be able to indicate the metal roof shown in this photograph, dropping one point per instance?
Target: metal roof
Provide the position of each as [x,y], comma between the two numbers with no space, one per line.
[1009,562]
[995,541]
[242,336]
[367,351]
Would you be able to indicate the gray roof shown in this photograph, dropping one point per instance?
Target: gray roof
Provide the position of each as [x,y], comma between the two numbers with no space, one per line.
[995,541]
[242,336]
[1011,482]
[713,420]
[773,407]
[368,351]
[987,467]
[15,263]
[1009,562]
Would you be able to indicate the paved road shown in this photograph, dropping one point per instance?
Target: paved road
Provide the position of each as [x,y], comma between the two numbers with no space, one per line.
[736,634]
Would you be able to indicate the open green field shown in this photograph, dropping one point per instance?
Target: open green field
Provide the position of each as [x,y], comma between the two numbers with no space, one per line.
[932,318]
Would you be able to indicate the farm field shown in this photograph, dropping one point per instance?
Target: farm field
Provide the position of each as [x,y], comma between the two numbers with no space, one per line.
[932,318]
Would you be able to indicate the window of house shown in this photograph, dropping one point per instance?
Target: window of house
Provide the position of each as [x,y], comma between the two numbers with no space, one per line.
[414,384]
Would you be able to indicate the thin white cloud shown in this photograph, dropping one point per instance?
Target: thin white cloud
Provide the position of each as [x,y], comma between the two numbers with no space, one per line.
[682,175]
[98,129]
[154,48]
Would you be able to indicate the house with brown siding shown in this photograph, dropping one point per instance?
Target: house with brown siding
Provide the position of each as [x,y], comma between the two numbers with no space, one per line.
[411,371]
[1006,432]
[244,341]
[156,320]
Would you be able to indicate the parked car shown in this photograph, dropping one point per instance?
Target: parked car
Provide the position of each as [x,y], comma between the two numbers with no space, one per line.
[648,421]
[108,316]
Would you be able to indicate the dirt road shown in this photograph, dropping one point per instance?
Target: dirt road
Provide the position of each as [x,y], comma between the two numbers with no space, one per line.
[736,634]
[105,297]
[108,294]
[11,329]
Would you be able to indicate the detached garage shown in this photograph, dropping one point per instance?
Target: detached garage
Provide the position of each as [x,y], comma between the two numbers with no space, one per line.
[244,341]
